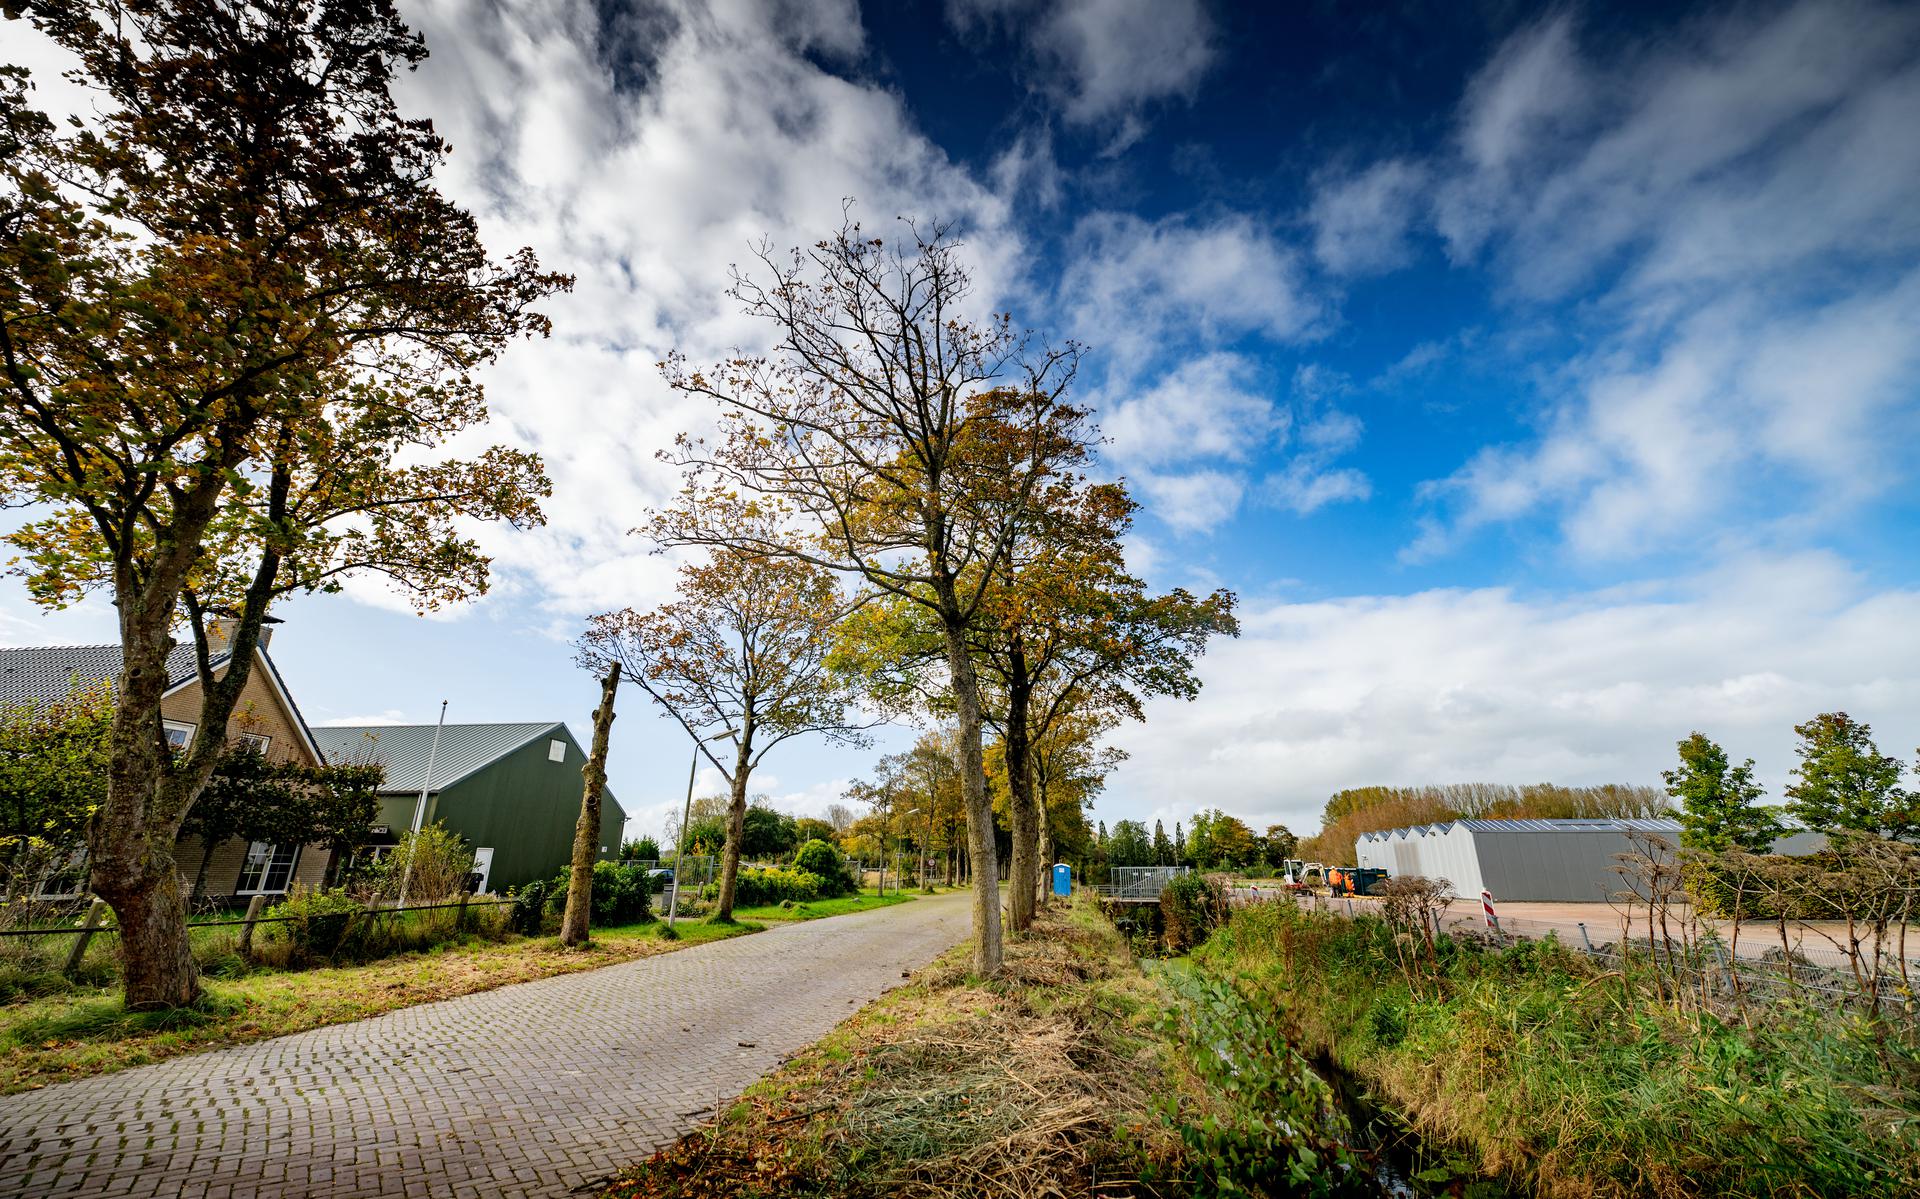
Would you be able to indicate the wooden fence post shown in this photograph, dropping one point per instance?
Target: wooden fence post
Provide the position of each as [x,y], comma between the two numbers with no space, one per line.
[460,920]
[246,932]
[80,939]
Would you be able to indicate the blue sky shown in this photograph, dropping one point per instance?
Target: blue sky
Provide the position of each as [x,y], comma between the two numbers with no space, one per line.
[1543,379]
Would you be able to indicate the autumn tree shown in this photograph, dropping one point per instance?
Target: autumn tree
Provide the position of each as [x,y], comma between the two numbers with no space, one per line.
[53,777]
[1279,844]
[254,798]
[1129,845]
[237,322]
[898,440]
[1065,631]
[1719,801]
[1844,782]
[586,828]
[740,655]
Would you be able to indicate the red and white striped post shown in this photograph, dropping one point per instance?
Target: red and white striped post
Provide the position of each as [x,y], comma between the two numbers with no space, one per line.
[1486,907]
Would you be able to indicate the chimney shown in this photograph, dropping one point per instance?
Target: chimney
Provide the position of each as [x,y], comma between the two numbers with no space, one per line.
[223,629]
[220,634]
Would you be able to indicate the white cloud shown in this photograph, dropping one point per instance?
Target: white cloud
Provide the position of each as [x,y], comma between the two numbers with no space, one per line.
[1131,284]
[1754,140]
[646,153]
[1209,407]
[1361,221]
[1488,685]
[390,716]
[1193,501]
[1641,455]
[1304,488]
[1741,193]
[1104,61]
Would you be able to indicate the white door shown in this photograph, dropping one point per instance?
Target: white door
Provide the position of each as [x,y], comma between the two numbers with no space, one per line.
[482,866]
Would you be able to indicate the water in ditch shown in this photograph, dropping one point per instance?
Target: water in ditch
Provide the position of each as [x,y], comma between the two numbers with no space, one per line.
[1404,1165]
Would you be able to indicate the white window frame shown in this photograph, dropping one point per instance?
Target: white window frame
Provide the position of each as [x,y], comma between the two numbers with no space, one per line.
[556,750]
[183,728]
[266,869]
[259,741]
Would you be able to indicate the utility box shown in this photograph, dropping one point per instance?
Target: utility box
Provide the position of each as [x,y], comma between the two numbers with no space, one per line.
[1062,879]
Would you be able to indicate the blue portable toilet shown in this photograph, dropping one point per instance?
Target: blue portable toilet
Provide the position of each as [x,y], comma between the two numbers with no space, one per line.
[1062,879]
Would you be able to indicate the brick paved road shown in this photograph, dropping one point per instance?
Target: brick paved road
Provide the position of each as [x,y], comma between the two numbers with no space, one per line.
[532,1089]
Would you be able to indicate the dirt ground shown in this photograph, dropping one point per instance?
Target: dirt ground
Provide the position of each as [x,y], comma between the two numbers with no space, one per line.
[1603,923]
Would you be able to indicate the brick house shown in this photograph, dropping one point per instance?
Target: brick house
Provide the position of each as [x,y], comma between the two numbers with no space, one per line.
[266,714]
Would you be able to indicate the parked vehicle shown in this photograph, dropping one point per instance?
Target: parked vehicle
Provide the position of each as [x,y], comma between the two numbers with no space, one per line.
[1355,880]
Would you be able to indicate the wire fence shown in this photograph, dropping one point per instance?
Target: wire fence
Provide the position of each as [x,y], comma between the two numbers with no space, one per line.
[78,925]
[1752,961]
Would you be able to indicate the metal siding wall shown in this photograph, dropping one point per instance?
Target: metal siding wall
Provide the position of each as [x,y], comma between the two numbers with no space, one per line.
[1376,854]
[523,806]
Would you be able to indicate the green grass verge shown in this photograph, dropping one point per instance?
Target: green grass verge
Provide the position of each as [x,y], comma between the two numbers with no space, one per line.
[85,1031]
[818,908]
[1569,1079]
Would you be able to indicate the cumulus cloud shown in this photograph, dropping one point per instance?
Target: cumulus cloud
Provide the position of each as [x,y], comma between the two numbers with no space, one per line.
[646,152]
[1361,221]
[1641,454]
[1129,283]
[1491,685]
[1103,62]
[1726,217]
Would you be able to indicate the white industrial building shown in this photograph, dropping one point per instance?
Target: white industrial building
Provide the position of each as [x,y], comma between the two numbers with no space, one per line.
[1526,859]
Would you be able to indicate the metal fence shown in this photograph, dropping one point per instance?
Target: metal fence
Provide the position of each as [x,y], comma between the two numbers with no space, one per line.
[1138,884]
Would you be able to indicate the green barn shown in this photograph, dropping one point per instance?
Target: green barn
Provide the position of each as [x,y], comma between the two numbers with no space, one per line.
[512,790]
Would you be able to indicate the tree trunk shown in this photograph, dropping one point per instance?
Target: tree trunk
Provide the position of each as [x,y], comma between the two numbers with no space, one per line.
[586,831]
[131,841]
[973,788]
[1046,845]
[1023,868]
[736,823]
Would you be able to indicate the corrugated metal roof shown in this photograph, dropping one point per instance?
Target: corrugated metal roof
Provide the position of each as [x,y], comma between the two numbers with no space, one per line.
[45,674]
[1607,824]
[403,749]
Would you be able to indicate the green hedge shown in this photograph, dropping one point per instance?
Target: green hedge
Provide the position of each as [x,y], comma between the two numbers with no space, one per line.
[621,894]
[822,860]
[775,884]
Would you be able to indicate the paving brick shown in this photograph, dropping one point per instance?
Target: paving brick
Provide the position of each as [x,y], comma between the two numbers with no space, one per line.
[532,1089]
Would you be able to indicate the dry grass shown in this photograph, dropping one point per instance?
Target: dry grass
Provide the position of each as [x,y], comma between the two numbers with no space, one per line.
[1033,1084]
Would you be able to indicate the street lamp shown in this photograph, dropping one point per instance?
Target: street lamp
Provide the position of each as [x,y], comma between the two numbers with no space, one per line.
[686,814]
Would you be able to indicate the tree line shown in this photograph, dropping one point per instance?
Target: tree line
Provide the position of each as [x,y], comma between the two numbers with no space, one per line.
[241,328]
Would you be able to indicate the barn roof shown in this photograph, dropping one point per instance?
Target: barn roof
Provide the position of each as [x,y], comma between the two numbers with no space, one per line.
[403,749]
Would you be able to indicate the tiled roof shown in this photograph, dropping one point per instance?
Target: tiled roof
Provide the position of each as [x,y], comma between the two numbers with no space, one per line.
[46,674]
[403,749]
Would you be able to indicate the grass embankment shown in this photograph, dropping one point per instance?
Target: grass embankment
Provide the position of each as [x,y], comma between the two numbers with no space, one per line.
[818,908]
[1041,1081]
[1575,1081]
[53,1038]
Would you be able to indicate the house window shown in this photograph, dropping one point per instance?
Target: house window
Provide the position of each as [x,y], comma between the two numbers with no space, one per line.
[267,869]
[257,741]
[68,880]
[179,735]
[556,751]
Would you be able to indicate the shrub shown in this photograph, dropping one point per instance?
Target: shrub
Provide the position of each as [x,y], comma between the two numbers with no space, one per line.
[621,894]
[529,908]
[822,860]
[1192,906]
[775,884]
[314,924]
[441,862]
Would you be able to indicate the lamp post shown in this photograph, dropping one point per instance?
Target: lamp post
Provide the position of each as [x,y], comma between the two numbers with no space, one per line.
[420,806]
[686,814]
